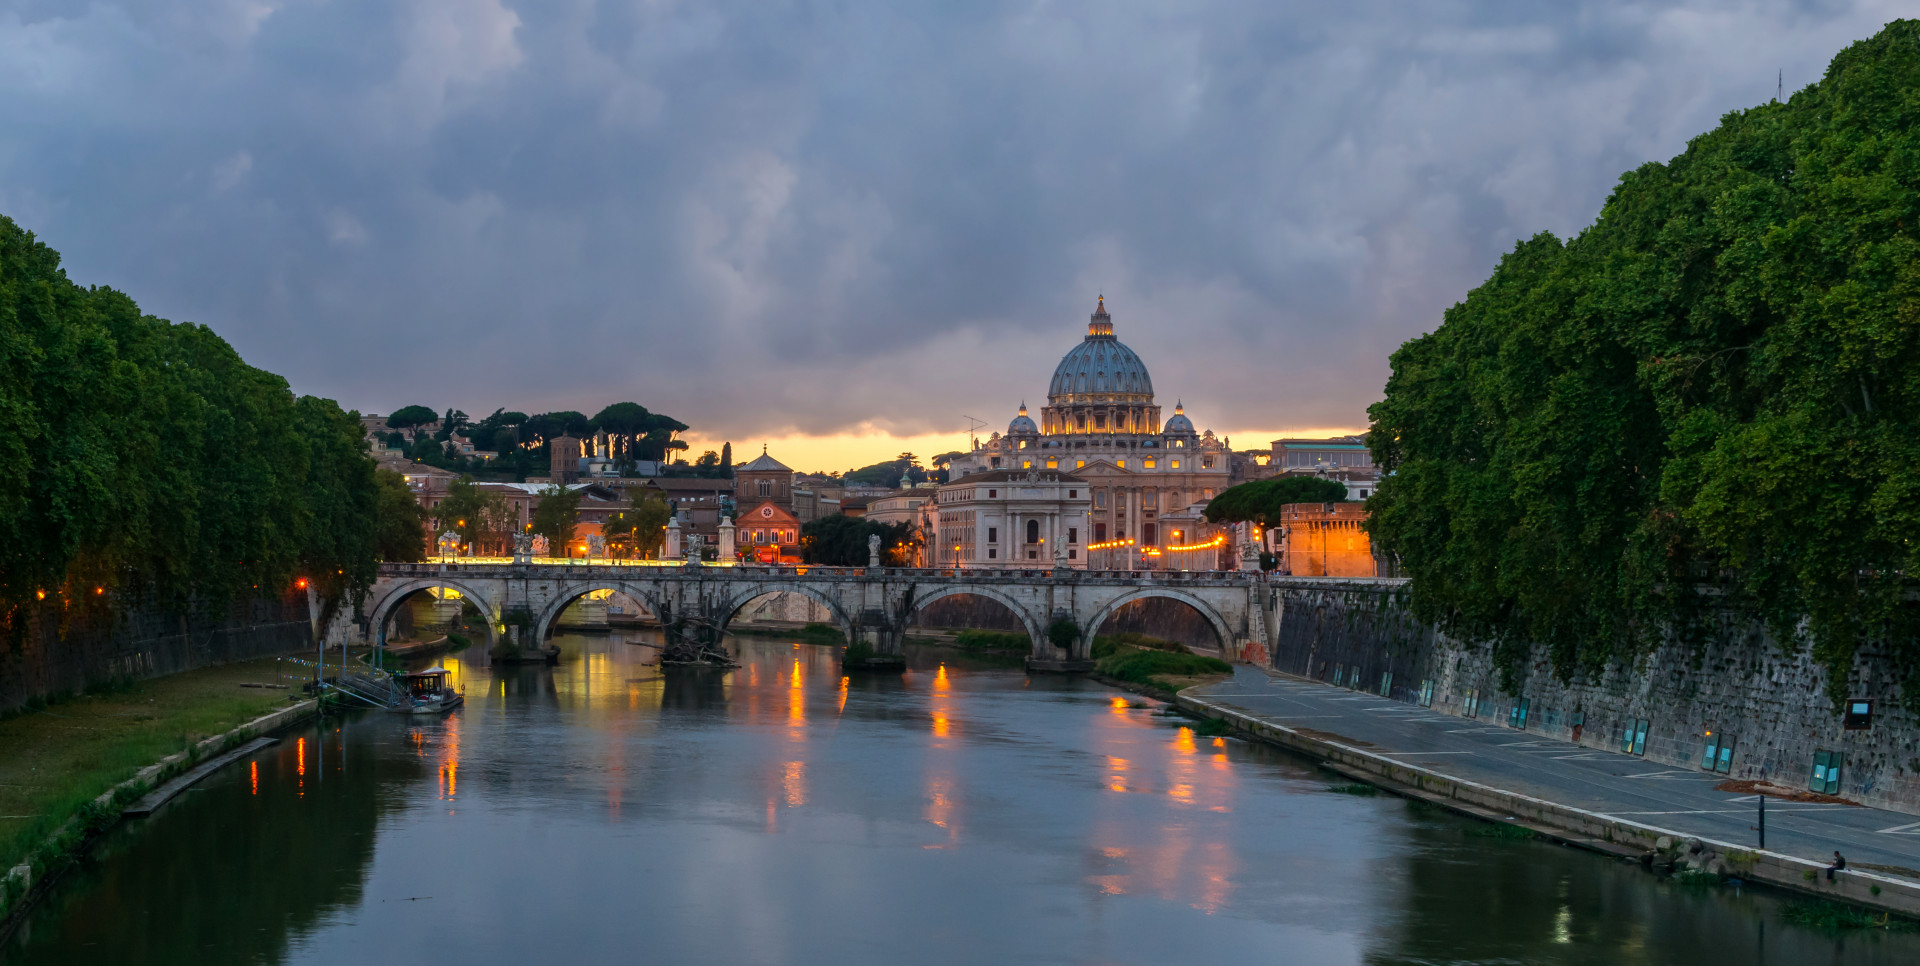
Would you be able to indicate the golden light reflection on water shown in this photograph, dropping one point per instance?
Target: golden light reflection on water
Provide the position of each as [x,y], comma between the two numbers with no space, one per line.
[794,783]
[1191,859]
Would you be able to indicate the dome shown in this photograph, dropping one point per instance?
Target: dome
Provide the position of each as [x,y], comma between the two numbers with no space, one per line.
[1100,364]
[1179,424]
[1022,424]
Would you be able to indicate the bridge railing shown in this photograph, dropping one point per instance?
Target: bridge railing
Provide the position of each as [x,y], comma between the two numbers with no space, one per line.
[614,569]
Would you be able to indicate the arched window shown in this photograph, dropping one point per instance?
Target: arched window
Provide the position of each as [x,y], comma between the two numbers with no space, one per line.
[1033,531]
[766,487]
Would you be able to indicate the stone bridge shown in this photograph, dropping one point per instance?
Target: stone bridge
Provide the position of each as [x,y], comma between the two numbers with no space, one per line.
[875,605]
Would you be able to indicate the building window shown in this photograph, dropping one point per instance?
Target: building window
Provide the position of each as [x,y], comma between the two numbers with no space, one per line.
[1152,463]
[1099,533]
[1073,494]
[1073,534]
[1176,464]
[1026,464]
[766,487]
[1073,554]
[1176,536]
[992,493]
[1206,494]
[993,553]
[1826,772]
[1150,533]
[1206,462]
[993,534]
[1122,462]
[1052,464]
[1077,464]
[1033,555]
[1033,531]
[1100,499]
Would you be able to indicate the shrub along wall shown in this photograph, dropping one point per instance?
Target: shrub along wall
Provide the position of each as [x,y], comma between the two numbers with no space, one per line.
[1771,703]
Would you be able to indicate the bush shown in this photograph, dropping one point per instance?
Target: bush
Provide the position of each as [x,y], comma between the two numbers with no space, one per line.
[818,633]
[1146,666]
[1109,644]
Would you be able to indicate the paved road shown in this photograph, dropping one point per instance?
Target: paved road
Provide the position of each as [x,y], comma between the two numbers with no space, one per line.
[1620,785]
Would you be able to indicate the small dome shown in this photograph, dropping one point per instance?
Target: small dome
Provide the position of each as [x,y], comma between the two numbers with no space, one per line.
[1022,425]
[1179,424]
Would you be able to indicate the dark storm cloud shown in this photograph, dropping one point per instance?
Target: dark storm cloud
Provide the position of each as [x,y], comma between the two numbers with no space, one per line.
[760,216]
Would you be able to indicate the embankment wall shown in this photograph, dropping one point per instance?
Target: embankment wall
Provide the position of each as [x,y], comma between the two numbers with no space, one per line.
[54,648]
[1771,702]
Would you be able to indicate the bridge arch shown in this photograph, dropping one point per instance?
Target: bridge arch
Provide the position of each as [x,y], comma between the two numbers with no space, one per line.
[569,593]
[394,594]
[1204,609]
[732,605]
[1036,632]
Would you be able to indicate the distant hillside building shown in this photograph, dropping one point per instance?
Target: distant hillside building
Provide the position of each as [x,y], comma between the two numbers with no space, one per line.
[1326,540]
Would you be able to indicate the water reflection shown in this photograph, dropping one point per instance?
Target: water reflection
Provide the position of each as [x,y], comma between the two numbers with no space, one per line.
[603,809]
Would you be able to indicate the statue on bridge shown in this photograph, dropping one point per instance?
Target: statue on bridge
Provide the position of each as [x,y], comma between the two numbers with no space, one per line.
[873,550]
[541,547]
[449,544]
[523,547]
[695,544]
[596,545]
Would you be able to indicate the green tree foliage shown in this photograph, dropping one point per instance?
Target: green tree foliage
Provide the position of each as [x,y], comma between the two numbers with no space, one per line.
[555,517]
[841,541]
[146,458]
[1260,500]
[407,417]
[641,530]
[1716,386]
[887,473]
[483,518]
[399,520]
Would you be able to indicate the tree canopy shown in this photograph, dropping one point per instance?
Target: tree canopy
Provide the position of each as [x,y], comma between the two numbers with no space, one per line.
[1260,500]
[841,541]
[407,417]
[145,457]
[1715,387]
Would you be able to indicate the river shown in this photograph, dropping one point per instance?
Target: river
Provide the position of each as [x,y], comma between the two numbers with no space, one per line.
[601,811]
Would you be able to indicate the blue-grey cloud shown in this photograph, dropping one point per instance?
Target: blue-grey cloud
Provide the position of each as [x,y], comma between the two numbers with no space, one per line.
[763,216]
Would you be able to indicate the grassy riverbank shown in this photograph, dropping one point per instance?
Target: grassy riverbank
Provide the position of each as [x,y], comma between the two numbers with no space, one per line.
[57,757]
[1159,666]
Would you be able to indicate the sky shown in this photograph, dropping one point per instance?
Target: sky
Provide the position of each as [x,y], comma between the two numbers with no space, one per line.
[841,229]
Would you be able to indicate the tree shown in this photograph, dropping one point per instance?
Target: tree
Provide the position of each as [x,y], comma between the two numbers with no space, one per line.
[642,529]
[399,520]
[407,417]
[841,541]
[1712,394]
[555,517]
[944,458]
[146,458]
[481,517]
[1260,500]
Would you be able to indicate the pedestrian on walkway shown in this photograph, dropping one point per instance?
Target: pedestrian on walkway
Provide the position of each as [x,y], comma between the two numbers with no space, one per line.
[1839,863]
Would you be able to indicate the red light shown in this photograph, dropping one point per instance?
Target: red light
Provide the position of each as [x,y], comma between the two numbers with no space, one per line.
[301,583]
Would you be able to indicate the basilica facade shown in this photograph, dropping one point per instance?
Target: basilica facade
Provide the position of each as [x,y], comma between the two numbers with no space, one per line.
[1101,426]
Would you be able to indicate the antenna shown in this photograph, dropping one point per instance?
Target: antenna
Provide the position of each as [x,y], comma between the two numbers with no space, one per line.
[974,426]
[1779,84]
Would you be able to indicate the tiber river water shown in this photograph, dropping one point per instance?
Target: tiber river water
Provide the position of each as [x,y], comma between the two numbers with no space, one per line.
[599,811]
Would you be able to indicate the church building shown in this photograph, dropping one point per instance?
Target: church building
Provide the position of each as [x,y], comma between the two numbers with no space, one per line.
[1101,424]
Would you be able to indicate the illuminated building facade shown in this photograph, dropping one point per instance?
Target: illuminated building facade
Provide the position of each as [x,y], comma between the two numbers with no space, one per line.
[1102,425]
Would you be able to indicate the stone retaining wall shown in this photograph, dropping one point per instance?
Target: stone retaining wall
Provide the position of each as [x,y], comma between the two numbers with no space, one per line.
[1772,705]
[72,647]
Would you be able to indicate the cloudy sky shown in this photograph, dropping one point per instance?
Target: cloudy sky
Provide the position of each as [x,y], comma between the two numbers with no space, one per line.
[844,226]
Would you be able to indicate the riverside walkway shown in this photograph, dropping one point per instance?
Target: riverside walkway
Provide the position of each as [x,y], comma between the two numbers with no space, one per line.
[1614,785]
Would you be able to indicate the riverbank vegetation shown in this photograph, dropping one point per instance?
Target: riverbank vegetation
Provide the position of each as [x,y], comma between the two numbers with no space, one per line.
[1712,393]
[58,755]
[1166,670]
[145,460]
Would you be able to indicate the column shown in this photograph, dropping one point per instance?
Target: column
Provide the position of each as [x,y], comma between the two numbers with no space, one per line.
[673,538]
[726,538]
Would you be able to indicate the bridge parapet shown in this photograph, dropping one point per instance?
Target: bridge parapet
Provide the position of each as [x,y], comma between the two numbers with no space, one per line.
[875,605]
